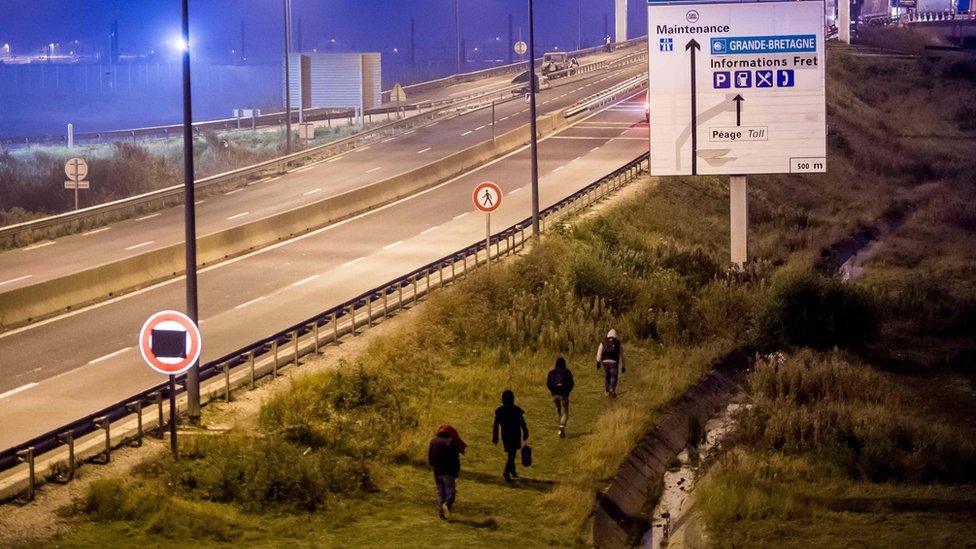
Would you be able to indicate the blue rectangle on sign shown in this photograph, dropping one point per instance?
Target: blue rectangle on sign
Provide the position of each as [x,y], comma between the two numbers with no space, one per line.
[785,78]
[721,79]
[735,45]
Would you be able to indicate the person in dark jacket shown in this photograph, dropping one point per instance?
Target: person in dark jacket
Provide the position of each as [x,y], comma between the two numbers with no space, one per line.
[610,356]
[510,419]
[560,384]
[444,456]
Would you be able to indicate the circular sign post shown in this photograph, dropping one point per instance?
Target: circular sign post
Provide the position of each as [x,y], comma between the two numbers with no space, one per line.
[76,169]
[521,47]
[487,198]
[170,343]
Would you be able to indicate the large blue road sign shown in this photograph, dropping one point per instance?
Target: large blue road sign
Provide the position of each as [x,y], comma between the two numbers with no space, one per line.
[732,45]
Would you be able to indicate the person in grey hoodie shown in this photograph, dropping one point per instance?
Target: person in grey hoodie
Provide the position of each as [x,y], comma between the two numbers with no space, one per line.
[610,356]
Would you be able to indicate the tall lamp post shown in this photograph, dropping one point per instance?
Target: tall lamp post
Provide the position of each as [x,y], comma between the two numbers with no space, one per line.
[532,123]
[287,6]
[190,225]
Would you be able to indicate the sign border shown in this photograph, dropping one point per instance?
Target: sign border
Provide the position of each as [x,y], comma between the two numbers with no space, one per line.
[482,185]
[196,343]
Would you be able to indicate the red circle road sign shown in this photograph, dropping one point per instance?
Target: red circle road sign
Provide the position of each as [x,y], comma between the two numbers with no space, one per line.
[487,197]
[170,342]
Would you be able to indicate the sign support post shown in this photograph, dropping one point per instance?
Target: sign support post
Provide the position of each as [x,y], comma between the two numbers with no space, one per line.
[739,220]
[487,198]
[532,124]
[172,416]
[488,241]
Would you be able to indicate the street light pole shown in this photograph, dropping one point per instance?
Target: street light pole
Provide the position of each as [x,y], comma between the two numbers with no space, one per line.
[457,36]
[190,221]
[287,7]
[532,123]
[579,25]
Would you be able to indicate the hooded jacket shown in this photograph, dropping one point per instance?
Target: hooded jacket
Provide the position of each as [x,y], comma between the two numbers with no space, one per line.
[560,380]
[612,334]
[510,420]
[444,452]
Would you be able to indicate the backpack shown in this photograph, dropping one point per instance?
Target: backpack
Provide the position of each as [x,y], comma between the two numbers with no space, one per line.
[559,379]
[526,456]
[611,349]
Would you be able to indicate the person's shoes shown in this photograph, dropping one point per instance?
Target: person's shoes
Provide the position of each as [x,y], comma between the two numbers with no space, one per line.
[445,512]
[515,475]
[606,393]
[562,432]
[613,394]
[440,511]
[508,478]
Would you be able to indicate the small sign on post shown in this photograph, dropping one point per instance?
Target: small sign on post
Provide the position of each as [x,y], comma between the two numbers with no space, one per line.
[487,198]
[76,169]
[170,343]
[521,47]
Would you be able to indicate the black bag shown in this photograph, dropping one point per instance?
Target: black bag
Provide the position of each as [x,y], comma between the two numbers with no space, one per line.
[611,349]
[526,456]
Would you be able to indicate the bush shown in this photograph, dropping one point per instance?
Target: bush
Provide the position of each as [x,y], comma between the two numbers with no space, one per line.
[804,309]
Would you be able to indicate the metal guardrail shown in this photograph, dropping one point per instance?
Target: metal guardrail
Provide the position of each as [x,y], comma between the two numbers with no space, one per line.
[934,16]
[22,233]
[300,339]
[639,81]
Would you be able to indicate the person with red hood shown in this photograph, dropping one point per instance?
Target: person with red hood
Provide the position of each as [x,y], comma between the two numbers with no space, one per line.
[444,457]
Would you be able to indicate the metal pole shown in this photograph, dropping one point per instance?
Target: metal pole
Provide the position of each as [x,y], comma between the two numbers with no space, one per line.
[535,140]
[457,35]
[189,223]
[492,124]
[287,6]
[579,25]
[739,220]
[172,414]
[488,241]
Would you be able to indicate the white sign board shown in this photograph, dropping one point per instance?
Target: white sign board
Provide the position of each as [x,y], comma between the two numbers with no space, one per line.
[736,88]
[487,197]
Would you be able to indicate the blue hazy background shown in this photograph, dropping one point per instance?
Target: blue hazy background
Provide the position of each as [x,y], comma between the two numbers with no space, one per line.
[237,50]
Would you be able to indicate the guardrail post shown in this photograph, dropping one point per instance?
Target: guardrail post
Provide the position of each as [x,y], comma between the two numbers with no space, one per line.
[274,356]
[352,315]
[294,342]
[415,294]
[386,302]
[160,422]
[400,296]
[27,456]
[250,363]
[335,328]
[369,311]
[136,408]
[464,258]
[315,335]
[427,277]
[226,371]
[440,273]
[68,437]
[105,424]
[453,264]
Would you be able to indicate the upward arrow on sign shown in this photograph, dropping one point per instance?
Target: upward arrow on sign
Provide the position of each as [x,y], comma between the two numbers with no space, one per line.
[693,46]
[738,109]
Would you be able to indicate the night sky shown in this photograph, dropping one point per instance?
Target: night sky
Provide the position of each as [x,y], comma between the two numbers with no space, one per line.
[379,25]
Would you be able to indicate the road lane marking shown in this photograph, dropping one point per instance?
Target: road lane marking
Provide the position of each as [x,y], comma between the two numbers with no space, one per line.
[237,216]
[333,159]
[466,133]
[557,169]
[422,151]
[411,131]
[36,246]
[96,231]
[304,280]
[317,232]
[516,190]
[594,149]
[18,279]
[234,191]
[305,169]
[461,215]
[374,169]
[13,392]
[108,356]
[503,119]
[366,148]
[313,191]
[150,216]
[246,303]
[388,139]
[140,245]
[479,128]
[429,230]
[394,245]
[198,202]
[353,262]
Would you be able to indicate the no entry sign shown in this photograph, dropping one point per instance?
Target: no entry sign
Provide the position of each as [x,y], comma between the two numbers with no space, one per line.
[487,197]
[170,342]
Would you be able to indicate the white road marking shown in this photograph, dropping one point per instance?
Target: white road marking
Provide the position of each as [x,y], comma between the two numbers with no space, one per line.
[516,190]
[374,169]
[305,169]
[96,231]
[461,215]
[108,356]
[469,90]
[466,133]
[313,191]
[215,266]
[13,392]
[559,168]
[150,216]
[198,202]
[408,132]
[366,148]
[246,303]
[353,262]
[140,245]
[429,230]
[36,246]
[422,151]
[388,139]
[237,216]
[304,280]
[394,245]
[234,191]
[594,149]
[12,280]
[333,159]
[479,128]
[503,119]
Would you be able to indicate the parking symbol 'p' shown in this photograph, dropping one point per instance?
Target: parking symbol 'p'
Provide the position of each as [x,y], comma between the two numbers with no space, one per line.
[764,79]
[721,79]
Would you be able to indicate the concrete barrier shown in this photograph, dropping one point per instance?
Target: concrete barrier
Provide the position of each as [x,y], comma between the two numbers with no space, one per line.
[619,514]
[30,303]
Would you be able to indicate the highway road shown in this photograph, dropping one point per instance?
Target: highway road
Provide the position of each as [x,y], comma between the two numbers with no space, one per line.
[56,258]
[58,370]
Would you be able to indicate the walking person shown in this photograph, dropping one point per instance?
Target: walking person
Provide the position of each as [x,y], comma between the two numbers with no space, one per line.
[560,384]
[610,356]
[510,420]
[444,457]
